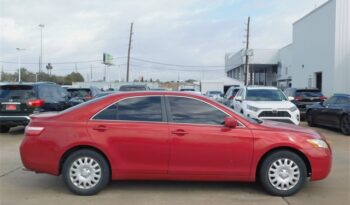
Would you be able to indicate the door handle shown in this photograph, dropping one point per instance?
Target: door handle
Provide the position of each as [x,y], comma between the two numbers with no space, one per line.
[179,132]
[100,128]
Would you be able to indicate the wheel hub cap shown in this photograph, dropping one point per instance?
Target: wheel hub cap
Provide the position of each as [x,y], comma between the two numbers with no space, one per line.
[85,173]
[284,174]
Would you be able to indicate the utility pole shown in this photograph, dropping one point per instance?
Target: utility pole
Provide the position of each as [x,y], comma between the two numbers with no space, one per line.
[41,47]
[19,62]
[246,65]
[76,68]
[128,64]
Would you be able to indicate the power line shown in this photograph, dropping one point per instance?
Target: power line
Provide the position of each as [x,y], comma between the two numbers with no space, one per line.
[177,65]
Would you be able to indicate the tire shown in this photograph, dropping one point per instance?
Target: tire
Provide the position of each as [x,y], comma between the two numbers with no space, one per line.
[4,129]
[345,125]
[86,172]
[309,119]
[285,164]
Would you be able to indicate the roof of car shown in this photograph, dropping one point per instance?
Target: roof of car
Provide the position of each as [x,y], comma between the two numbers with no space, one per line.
[342,94]
[261,87]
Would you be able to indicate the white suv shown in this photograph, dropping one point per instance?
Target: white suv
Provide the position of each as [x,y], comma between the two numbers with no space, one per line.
[266,103]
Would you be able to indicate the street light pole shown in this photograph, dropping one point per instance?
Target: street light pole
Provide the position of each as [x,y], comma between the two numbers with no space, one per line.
[41,46]
[19,63]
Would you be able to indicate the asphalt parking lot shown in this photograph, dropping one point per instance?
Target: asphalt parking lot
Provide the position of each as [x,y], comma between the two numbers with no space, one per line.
[23,187]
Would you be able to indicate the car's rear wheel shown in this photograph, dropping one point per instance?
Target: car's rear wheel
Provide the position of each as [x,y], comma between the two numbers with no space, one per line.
[309,119]
[86,172]
[4,129]
[345,125]
[283,173]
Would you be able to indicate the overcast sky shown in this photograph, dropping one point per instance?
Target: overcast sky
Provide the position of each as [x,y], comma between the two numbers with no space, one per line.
[186,32]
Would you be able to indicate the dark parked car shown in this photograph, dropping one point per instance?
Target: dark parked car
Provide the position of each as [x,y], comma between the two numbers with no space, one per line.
[304,97]
[334,112]
[19,100]
[79,95]
[125,88]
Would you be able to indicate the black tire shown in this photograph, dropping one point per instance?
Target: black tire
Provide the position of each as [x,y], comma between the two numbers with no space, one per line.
[4,129]
[95,187]
[268,162]
[345,124]
[309,119]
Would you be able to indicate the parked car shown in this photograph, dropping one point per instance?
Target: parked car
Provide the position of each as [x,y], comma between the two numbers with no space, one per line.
[230,95]
[215,95]
[80,95]
[334,112]
[170,136]
[19,100]
[304,97]
[190,90]
[268,103]
[125,88]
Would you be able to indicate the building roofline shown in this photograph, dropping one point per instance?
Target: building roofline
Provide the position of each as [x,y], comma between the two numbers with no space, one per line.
[313,11]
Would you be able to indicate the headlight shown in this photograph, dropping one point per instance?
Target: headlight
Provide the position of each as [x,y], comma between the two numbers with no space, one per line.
[252,108]
[317,143]
[292,109]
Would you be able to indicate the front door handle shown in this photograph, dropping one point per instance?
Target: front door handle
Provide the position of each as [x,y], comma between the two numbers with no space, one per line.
[100,128]
[179,132]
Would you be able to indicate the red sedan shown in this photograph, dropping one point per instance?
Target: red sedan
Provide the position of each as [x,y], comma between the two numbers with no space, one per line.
[170,136]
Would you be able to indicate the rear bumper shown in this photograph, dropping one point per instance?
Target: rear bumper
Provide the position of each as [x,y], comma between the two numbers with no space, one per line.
[14,120]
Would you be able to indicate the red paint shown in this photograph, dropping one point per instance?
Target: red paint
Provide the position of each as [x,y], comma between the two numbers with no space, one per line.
[162,150]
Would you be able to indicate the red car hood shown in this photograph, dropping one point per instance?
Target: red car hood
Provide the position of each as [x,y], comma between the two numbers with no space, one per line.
[269,124]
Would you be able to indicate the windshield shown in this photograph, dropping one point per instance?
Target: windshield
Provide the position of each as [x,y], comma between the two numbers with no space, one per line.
[265,95]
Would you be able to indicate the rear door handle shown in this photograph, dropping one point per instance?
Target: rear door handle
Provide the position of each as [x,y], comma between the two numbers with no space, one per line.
[100,128]
[179,132]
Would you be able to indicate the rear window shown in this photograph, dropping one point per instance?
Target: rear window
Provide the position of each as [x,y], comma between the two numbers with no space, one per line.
[17,92]
[131,88]
[308,93]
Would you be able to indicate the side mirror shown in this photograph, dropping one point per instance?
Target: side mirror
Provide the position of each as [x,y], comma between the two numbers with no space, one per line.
[290,98]
[230,122]
[238,98]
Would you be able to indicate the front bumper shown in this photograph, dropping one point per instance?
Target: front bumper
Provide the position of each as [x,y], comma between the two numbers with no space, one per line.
[320,162]
[288,117]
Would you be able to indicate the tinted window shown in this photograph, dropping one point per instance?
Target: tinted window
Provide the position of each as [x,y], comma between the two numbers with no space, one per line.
[134,109]
[308,93]
[234,92]
[265,95]
[79,92]
[108,114]
[17,92]
[343,100]
[140,109]
[186,110]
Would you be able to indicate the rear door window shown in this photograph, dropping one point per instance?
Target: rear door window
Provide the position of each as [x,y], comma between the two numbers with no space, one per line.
[148,109]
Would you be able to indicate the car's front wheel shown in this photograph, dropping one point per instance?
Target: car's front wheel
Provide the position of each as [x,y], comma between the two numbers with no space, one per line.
[345,125]
[283,173]
[86,172]
[309,118]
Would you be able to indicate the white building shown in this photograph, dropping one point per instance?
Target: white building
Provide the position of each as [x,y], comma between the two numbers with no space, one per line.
[319,55]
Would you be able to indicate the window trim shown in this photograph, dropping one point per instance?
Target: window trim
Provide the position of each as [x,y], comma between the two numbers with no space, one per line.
[163,112]
[167,103]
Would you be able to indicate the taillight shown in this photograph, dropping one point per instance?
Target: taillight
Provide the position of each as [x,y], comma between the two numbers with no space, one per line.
[323,98]
[33,131]
[298,98]
[88,97]
[36,103]
[231,97]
